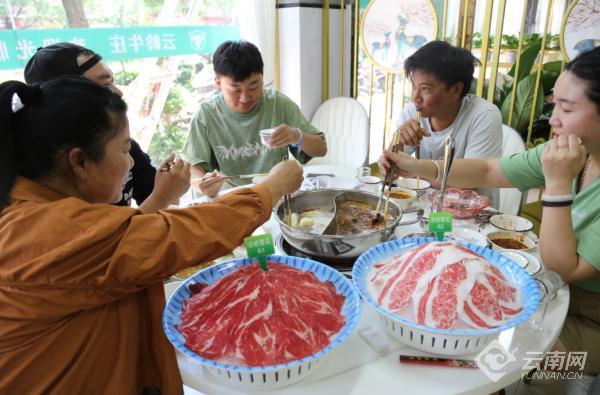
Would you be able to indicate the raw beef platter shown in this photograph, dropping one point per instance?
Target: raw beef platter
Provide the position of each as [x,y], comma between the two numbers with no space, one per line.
[445,285]
[262,329]
[255,318]
[448,298]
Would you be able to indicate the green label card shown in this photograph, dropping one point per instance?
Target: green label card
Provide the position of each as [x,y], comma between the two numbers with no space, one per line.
[260,247]
[440,223]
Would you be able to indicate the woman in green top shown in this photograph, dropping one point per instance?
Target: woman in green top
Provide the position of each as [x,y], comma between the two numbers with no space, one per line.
[567,167]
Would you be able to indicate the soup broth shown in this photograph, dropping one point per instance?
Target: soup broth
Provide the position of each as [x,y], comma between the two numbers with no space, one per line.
[356,217]
[400,195]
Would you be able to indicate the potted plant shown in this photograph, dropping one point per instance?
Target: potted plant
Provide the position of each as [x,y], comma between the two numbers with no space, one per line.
[510,43]
[524,87]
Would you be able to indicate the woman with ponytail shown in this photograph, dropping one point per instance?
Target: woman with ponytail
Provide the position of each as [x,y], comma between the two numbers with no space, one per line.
[81,291]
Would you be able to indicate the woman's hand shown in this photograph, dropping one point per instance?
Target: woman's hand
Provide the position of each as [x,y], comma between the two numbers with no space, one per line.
[562,159]
[403,164]
[284,178]
[171,181]
[211,183]
[284,136]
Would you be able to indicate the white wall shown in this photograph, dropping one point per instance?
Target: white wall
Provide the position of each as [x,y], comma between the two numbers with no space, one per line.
[300,52]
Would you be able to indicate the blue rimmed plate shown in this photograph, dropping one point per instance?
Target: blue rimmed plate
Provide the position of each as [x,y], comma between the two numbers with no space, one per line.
[530,294]
[262,377]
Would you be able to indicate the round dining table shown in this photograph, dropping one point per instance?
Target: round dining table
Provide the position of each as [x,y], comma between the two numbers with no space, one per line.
[368,361]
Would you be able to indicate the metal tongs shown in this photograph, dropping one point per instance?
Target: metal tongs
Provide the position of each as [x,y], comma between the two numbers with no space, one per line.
[448,158]
[378,218]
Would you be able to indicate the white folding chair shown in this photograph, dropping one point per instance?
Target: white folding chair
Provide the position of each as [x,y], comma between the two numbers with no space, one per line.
[511,198]
[346,126]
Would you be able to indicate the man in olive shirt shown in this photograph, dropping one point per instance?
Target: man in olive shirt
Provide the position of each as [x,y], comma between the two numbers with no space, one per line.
[224,134]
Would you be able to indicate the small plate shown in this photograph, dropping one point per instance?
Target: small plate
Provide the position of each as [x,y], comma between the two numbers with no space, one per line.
[530,263]
[468,235]
[511,222]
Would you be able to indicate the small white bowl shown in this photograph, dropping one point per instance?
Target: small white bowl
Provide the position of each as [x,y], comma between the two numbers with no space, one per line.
[511,222]
[404,202]
[527,261]
[495,237]
[411,183]
[468,236]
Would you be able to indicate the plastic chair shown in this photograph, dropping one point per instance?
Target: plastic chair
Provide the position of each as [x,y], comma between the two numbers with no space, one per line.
[346,126]
[511,198]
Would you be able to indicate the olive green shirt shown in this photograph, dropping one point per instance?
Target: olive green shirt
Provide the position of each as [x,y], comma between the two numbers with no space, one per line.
[525,171]
[224,140]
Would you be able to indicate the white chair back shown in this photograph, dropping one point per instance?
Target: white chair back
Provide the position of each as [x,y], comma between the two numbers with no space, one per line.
[346,126]
[511,198]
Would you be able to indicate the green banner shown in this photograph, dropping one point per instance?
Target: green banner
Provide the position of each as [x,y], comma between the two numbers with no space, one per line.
[17,46]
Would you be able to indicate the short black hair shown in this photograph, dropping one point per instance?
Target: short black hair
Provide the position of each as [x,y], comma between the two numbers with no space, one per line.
[237,60]
[447,63]
[586,66]
[54,60]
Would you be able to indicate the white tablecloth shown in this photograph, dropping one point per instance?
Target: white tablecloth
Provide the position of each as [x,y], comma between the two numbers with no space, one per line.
[356,368]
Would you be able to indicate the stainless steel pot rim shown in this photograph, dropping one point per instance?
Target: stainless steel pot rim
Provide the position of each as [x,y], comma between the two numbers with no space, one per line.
[337,237]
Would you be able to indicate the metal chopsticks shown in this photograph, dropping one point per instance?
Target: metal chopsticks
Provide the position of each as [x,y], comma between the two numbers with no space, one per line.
[448,158]
[238,176]
[287,205]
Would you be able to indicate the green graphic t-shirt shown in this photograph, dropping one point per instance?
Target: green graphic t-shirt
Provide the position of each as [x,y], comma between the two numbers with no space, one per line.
[525,171]
[227,141]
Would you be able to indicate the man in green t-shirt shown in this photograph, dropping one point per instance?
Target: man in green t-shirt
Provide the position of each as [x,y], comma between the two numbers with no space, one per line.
[224,135]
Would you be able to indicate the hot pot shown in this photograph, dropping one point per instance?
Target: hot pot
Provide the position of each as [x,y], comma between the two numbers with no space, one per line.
[328,245]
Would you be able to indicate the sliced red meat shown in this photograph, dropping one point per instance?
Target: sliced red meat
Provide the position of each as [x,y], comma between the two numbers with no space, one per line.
[256,318]
[447,284]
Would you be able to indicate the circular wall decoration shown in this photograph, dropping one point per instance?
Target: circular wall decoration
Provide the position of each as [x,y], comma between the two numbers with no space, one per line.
[579,32]
[393,30]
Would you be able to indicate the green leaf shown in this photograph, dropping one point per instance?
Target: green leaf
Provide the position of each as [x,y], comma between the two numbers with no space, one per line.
[523,104]
[528,57]
[555,66]
[550,72]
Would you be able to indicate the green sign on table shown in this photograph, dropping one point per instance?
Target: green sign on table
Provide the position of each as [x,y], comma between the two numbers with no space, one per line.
[440,223]
[260,247]
[17,46]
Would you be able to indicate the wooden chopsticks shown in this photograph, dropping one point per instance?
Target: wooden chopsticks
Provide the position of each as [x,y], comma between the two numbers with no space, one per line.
[387,181]
[395,148]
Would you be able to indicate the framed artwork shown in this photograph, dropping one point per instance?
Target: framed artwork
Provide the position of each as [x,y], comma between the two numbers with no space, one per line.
[580,32]
[393,30]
